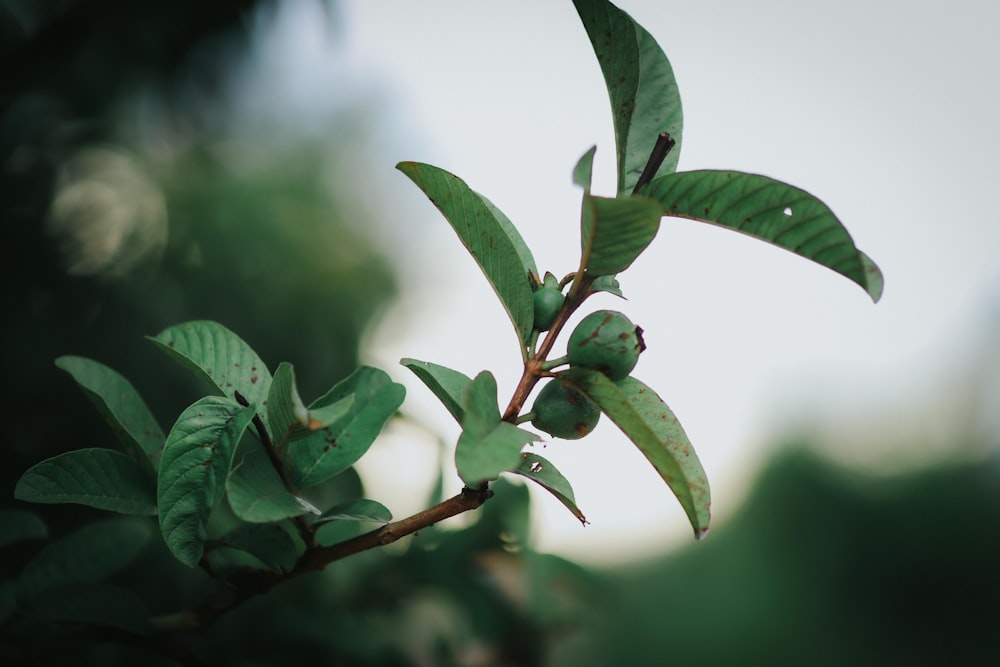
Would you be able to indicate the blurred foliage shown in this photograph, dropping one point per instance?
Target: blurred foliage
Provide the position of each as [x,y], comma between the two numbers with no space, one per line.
[822,567]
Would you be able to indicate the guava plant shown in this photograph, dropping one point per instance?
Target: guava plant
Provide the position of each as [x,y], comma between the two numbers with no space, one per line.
[239,484]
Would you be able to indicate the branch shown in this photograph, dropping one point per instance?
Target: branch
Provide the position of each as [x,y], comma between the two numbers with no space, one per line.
[663,146]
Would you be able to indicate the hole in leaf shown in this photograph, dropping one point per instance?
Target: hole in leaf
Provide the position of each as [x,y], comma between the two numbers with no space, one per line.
[788,211]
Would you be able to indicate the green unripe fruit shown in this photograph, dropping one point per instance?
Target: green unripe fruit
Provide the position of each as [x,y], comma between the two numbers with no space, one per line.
[606,341]
[548,299]
[563,412]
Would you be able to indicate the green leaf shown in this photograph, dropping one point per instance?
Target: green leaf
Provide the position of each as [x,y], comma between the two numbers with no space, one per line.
[336,446]
[101,478]
[193,470]
[607,284]
[360,509]
[120,405]
[93,604]
[447,384]
[89,555]
[644,96]
[488,235]
[270,543]
[769,210]
[255,490]
[487,446]
[584,169]
[653,428]
[543,473]
[290,419]
[20,525]
[219,357]
[613,232]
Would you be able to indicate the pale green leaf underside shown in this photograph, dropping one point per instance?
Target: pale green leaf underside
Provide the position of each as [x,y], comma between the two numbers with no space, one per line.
[219,357]
[371,398]
[644,96]
[255,490]
[615,231]
[769,210]
[447,384]
[360,509]
[543,473]
[488,235]
[119,403]
[101,478]
[487,446]
[193,470]
[653,428]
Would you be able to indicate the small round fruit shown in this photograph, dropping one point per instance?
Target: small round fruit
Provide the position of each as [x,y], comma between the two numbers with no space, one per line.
[548,300]
[606,341]
[563,412]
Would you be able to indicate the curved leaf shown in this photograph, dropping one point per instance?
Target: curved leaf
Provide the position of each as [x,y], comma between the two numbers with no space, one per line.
[270,543]
[360,509]
[338,445]
[256,491]
[543,473]
[101,478]
[88,555]
[613,232]
[644,96]
[488,235]
[219,357]
[653,428]
[193,470]
[769,210]
[447,384]
[487,446]
[120,405]
[289,418]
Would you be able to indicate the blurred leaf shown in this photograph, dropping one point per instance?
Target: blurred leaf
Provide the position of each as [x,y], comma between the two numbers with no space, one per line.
[584,169]
[487,446]
[769,210]
[653,428]
[270,543]
[361,509]
[337,446]
[19,526]
[289,418]
[193,470]
[613,232]
[447,384]
[644,96]
[255,490]
[93,604]
[489,235]
[101,478]
[220,358]
[8,599]
[88,555]
[120,405]
[543,473]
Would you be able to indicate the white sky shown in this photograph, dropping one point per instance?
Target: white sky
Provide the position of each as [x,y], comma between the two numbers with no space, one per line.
[886,110]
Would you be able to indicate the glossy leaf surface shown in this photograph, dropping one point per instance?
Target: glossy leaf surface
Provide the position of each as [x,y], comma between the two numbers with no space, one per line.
[653,428]
[447,384]
[644,97]
[769,210]
[193,471]
[613,232]
[487,445]
[120,405]
[101,478]
[360,509]
[488,235]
